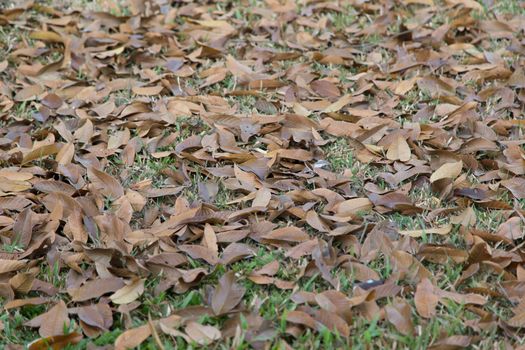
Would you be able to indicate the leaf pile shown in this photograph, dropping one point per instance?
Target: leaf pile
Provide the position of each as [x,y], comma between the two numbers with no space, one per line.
[170,168]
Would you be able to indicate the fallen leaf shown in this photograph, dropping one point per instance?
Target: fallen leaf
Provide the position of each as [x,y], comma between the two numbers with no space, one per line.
[132,337]
[399,150]
[444,230]
[447,170]
[57,342]
[129,292]
[227,294]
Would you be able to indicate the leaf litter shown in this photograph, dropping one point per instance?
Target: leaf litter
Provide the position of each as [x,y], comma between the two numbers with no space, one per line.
[257,174]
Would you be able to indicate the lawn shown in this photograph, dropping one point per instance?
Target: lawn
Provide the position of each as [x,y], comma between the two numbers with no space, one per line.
[262,174]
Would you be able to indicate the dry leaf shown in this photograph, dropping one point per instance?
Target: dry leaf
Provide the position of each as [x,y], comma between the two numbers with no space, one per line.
[447,170]
[129,292]
[226,295]
[132,337]
[399,150]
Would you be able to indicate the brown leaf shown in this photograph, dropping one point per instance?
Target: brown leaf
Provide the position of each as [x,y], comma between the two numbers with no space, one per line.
[132,337]
[453,342]
[516,186]
[105,183]
[301,317]
[52,101]
[288,234]
[447,170]
[227,294]
[324,88]
[96,288]
[425,299]
[57,342]
[28,93]
[399,150]
[147,90]
[400,315]
[55,321]
[14,203]
[444,230]
[97,315]
[129,292]
[353,206]
[41,152]
[202,334]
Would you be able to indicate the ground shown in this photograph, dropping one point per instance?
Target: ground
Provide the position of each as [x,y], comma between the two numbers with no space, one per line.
[262,174]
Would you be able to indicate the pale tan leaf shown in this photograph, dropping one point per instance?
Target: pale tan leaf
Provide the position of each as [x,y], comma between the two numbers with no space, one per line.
[129,293]
[446,171]
[398,150]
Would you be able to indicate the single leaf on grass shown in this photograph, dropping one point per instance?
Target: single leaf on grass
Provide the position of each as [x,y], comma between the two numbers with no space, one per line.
[22,282]
[400,315]
[335,302]
[132,337]
[57,342]
[301,317]
[200,252]
[227,294]
[333,322]
[235,252]
[452,342]
[54,321]
[447,170]
[129,293]
[425,299]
